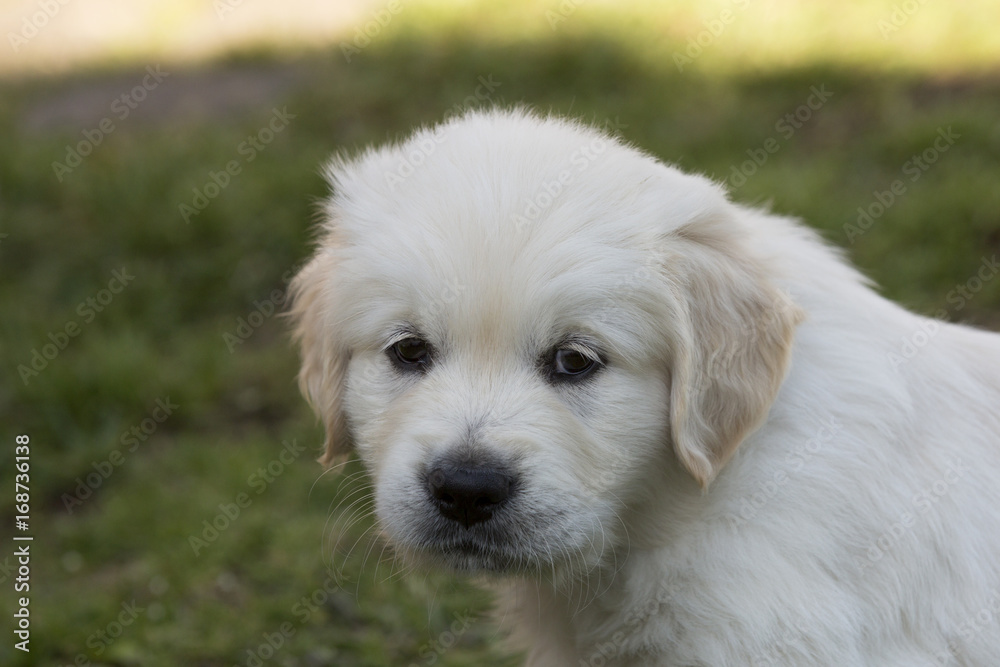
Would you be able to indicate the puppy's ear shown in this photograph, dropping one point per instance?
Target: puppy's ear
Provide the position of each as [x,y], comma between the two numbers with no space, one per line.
[324,363]
[735,338]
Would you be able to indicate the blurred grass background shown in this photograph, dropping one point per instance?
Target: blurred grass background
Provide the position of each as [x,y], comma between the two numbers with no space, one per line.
[698,84]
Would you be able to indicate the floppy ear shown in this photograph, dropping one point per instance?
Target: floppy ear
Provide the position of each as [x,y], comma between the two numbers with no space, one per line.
[735,338]
[324,363]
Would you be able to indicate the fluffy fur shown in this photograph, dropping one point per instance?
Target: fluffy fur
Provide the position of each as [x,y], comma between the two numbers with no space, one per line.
[773,466]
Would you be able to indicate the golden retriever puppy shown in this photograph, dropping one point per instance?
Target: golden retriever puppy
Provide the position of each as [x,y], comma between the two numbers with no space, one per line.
[672,430]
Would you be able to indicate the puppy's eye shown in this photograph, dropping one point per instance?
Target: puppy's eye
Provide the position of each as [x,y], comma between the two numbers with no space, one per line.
[570,364]
[410,353]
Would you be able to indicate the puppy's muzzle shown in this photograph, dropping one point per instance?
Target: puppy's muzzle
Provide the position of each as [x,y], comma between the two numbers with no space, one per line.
[468,494]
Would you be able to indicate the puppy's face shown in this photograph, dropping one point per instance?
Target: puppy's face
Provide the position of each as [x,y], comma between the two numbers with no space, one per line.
[517,323]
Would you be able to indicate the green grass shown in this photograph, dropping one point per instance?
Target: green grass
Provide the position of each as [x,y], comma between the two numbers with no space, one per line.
[164,334]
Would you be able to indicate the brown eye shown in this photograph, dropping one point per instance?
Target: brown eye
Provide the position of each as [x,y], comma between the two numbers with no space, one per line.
[572,364]
[410,353]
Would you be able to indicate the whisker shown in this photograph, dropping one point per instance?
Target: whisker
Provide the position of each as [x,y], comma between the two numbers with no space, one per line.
[331,469]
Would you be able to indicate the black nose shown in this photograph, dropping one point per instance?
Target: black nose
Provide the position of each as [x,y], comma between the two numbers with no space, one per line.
[468,495]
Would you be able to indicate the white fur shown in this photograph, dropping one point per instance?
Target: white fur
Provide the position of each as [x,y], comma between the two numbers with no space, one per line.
[761,474]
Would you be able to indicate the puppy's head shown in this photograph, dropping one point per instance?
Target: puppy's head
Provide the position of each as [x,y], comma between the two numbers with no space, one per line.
[513,320]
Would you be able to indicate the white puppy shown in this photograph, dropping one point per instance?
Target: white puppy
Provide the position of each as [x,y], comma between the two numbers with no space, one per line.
[674,430]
